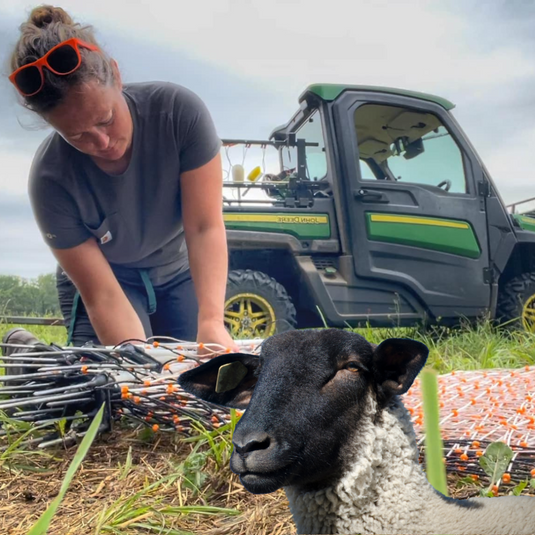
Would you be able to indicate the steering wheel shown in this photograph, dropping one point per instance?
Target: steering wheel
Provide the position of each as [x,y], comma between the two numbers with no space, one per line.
[446,184]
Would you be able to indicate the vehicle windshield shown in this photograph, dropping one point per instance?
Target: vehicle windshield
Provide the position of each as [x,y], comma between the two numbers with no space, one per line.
[312,132]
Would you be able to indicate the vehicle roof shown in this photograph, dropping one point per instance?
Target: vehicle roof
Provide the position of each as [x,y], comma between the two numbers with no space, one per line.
[332,91]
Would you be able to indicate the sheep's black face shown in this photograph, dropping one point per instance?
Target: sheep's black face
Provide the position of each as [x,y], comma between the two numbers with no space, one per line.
[310,393]
[308,397]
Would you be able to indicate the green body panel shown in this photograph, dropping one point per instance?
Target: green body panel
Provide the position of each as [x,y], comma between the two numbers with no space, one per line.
[525,222]
[333,91]
[304,226]
[446,235]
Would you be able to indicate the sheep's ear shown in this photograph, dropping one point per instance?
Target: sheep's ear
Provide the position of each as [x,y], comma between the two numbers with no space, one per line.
[396,363]
[228,380]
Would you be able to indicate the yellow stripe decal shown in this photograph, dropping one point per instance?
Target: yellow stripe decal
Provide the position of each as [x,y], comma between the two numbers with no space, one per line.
[418,221]
[284,219]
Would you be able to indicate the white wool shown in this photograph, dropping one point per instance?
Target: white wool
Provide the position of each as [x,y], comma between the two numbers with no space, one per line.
[384,491]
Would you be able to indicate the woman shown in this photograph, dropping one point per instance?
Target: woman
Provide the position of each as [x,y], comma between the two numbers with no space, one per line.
[127,191]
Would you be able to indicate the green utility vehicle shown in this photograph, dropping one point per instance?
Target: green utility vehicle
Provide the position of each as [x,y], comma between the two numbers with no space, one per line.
[382,214]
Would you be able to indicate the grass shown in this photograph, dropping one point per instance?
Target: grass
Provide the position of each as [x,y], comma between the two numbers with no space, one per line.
[466,348]
[48,334]
[131,483]
[131,487]
[43,524]
[435,469]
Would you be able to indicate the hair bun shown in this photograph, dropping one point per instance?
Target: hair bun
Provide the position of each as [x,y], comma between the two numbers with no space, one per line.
[44,15]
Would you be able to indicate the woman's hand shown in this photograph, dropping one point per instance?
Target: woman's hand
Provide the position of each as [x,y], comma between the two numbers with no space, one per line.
[214,332]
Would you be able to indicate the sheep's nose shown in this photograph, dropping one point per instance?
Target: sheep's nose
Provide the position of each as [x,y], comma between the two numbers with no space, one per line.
[251,442]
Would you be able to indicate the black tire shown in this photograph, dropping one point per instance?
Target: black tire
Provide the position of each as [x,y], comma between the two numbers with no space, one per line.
[258,292]
[516,303]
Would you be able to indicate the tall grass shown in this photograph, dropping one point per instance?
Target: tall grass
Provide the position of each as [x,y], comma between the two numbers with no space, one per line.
[43,524]
[436,471]
[476,347]
[466,348]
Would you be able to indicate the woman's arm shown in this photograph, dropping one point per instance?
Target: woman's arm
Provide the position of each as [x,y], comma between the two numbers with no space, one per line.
[204,229]
[109,310]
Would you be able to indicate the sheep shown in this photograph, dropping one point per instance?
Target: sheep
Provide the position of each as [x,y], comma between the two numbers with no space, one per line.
[324,421]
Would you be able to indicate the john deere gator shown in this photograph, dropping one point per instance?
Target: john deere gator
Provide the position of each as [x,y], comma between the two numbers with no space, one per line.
[382,214]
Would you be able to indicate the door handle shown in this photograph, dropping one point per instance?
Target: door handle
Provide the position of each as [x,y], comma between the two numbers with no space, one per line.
[365,195]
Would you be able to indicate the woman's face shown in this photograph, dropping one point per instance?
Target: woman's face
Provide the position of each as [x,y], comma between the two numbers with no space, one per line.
[95,119]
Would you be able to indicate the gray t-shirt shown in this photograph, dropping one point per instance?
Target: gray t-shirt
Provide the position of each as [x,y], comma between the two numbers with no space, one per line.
[136,216]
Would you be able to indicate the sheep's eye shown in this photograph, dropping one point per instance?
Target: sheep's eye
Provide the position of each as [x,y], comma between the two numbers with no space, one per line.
[352,366]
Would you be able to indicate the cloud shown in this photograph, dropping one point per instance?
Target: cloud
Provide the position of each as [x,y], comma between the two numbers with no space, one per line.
[417,43]
[23,251]
[511,21]
[241,105]
[250,59]
[515,166]
[15,168]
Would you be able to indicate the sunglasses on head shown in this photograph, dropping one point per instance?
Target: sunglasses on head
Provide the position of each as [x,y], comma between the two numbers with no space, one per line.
[63,59]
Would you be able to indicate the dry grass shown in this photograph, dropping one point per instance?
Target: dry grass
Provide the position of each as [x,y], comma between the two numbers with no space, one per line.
[126,486]
[129,486]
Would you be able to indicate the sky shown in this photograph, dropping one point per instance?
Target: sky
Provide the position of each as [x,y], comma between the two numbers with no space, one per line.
[249,60]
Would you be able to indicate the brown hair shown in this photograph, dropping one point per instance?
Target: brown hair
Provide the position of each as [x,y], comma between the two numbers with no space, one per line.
[46,27]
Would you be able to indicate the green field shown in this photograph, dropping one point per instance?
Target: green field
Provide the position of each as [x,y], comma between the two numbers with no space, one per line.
[134,483]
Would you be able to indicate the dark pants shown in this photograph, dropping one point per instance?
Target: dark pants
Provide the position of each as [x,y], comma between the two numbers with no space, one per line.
[175,314]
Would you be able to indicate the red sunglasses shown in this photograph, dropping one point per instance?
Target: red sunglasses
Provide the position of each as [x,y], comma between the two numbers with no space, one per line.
[63,59]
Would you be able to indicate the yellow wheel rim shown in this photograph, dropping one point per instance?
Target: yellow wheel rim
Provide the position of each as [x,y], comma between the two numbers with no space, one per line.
[249,315]
[528,314]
